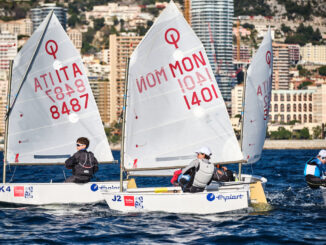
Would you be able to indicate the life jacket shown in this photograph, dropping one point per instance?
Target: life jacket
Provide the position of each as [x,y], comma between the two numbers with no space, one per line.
[85,165]
[312,168]
[204,174]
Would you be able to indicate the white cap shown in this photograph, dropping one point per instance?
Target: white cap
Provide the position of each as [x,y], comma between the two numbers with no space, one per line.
[322,153]
[206,151]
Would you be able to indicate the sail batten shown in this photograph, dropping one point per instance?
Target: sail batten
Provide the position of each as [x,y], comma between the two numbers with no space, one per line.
[174,105]
[54,104]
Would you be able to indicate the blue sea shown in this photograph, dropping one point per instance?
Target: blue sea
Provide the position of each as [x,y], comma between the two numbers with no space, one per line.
[297,214]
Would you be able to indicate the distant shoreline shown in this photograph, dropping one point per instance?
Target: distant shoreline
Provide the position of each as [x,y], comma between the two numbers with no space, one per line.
[277,145]
[295,144]
[269,145]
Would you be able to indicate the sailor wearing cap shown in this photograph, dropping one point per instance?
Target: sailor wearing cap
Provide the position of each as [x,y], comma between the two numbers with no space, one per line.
[200,170]
[315,170]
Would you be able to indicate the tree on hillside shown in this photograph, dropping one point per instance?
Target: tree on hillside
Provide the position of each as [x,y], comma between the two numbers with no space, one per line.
[252,7]
[73,20]
[280,134]
[87,41]
[304,35]
[285,29]
[113,133]
[322,70]
[304,134]
[316,132]
[304,85]
[98,24]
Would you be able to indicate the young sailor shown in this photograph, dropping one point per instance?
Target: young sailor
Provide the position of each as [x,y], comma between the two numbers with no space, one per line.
[222,174]
[315,170]
[83,163]
[200,171]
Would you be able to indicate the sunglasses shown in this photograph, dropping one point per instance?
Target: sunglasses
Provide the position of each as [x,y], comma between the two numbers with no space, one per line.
[79,144]
[323,158]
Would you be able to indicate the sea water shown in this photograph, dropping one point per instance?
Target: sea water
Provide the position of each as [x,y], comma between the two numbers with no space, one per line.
[297,216]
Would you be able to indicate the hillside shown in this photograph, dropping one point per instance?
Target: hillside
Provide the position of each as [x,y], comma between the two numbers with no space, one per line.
[292,9]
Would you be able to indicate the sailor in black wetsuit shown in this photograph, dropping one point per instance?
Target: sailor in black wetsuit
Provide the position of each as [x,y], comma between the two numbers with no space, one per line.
[83,163]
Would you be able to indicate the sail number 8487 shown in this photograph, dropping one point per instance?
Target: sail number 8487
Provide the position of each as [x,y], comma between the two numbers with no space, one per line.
[66,108]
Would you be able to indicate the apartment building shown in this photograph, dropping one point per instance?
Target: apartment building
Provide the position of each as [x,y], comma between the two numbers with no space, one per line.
[121,47]
[281,66]
[8,49]
[76,37]
[100,91]
[305,106]
[18,27]
[314,54]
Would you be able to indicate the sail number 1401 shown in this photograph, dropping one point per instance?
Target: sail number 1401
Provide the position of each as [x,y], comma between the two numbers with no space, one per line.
[205,95]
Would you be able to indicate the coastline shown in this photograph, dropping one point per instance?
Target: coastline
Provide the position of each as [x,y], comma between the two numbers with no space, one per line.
[277,145]
[269,145]
[294,144]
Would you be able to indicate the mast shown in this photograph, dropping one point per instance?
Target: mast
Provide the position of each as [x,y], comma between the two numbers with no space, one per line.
[7,123]
[242,115]
[123,126]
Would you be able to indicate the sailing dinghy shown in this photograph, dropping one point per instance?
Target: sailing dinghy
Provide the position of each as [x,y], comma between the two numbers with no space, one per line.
[173,107]
[255,116]
[51,105]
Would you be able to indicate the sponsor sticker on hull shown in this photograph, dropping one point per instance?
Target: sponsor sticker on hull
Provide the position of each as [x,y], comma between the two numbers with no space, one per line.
[129,201]
[104,188]
[18,191]
[211,197]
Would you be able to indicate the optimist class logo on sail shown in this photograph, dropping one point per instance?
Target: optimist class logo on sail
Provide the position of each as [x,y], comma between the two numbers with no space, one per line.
[64,85]
[190,73]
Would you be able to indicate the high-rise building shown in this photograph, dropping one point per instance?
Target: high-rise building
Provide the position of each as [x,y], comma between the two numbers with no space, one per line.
[281,66]
[319,107]
[237,94]
[8,49]
[245,53]
[3,99]
[40,13]
[121,48]
[212,21]
[100,91]
[294,53]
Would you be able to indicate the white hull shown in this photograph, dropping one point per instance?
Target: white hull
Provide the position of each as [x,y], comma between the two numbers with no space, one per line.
[218,197]
[56,193]
[173,200]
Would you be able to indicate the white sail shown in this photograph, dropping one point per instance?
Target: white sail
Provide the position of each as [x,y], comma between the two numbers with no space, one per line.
[174,105]
[257,100]
[51,102]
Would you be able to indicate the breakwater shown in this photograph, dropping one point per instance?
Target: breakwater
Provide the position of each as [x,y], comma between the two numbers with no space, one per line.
[269,144]
[279,144]
[295,144]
